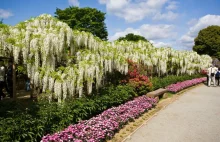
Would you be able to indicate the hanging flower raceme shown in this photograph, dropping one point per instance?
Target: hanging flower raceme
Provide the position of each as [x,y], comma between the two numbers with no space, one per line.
[44,43]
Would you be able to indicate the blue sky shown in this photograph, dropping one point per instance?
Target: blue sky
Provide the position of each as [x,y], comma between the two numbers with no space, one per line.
[172,23]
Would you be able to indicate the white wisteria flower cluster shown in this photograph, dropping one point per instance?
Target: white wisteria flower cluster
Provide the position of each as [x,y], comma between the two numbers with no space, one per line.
[65,63]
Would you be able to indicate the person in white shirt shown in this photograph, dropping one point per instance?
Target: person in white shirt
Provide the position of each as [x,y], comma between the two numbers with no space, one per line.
[211,73]
[2,79]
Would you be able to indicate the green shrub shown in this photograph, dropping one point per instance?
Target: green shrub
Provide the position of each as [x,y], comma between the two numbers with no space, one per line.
[30,124]
[159,82]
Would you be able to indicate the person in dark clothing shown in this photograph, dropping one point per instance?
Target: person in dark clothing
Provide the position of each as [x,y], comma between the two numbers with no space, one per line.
[9,78]
[217,76]
[2,79]
[207,77]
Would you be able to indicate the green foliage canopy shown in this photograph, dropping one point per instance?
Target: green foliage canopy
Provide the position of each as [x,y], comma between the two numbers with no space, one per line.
[84,19]
[208,41]
[132,37]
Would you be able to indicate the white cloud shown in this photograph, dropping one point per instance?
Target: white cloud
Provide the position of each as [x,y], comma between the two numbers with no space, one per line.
[192,22]
[172,5]
[187,39]
[102,1]
[155,3]
[73,2]
[113,5]
[5,13]
[160,44]
[123,33]
[150,32]
[155,32]
[165,16]
[203,22]
[132,11]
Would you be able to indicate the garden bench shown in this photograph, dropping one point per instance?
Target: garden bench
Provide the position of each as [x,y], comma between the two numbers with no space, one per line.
[157,93]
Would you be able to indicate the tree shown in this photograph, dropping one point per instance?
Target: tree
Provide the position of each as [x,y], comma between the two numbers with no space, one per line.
[132,37]
[1,21]
[208,41]
[84,19]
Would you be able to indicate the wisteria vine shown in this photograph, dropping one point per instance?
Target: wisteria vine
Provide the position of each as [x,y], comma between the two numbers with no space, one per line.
[63,63]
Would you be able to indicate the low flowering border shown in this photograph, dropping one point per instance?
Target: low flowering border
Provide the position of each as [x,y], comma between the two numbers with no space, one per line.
[182,85]
[105,125]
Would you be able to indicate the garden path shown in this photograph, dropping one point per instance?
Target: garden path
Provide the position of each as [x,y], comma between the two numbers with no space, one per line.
[193,117]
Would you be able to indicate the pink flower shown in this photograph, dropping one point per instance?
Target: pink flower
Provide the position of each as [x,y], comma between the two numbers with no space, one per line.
[182,85]
[105,124]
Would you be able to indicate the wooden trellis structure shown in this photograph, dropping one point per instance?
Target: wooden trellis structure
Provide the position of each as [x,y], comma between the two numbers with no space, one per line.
[13,76]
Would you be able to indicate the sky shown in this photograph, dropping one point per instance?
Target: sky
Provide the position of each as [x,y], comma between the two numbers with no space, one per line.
[165,23]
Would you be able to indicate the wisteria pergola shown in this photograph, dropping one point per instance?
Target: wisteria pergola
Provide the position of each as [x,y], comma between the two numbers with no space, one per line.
[14,75]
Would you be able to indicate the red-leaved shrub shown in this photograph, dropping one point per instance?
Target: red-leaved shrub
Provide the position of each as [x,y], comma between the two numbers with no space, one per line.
[140,82]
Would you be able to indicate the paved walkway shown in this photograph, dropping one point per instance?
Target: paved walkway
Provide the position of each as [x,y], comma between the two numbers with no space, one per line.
[194,117]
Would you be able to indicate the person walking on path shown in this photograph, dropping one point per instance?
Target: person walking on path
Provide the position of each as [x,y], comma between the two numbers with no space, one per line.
[211,73]
[207,76]
[217,76]
[2,79]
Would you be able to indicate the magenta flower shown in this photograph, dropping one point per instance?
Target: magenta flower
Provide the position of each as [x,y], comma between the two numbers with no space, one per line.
[104,125]
[182,85]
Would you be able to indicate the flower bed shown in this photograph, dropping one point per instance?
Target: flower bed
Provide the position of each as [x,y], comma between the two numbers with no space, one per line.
[105,125]
[182,85]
